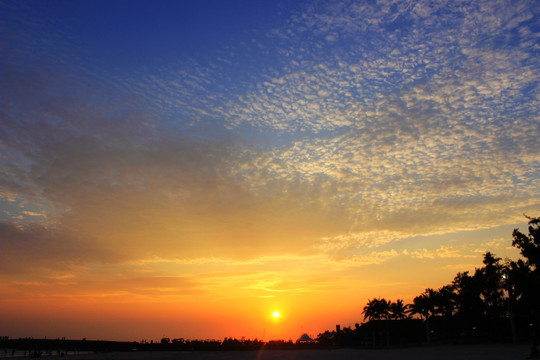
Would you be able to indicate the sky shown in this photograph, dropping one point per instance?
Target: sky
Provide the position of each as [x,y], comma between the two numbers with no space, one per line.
[186,168]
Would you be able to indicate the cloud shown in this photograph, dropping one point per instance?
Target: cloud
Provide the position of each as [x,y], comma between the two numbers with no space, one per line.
[462,267]
[343,245]
[353,126]
[330,86]
[84,287]
[363,178]
[372,258]
[35,214]
[441,252]
[35,249]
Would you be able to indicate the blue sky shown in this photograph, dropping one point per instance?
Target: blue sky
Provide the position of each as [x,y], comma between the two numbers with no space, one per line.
[361,136]
[131,33]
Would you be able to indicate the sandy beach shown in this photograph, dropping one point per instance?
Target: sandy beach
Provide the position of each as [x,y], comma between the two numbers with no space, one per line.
[468,352]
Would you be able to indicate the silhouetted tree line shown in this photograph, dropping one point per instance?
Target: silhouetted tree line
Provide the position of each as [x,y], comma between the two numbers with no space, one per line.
[36,347]
[498,302]
[61,347]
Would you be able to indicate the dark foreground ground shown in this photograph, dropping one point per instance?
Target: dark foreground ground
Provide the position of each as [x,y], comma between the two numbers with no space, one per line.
[461,352]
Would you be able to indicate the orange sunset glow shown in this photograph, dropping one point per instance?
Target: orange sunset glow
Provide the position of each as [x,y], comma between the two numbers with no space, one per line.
[256,169]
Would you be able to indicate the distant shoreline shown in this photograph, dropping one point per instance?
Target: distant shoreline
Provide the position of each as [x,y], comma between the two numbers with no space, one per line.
[440,352]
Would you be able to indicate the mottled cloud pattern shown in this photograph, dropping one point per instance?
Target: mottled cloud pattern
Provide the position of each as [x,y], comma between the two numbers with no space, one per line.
[332,140]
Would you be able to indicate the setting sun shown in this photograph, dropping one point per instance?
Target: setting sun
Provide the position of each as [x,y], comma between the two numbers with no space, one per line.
[275,314]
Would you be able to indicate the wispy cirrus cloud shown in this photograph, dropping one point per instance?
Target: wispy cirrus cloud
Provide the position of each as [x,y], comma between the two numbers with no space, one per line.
[374,257]
[441,252]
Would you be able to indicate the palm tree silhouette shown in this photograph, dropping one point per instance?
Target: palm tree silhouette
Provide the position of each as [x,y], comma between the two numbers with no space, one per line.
[423,306]
[377,309]
[398,310]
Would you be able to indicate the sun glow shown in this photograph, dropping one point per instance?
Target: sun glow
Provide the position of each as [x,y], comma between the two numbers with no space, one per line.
[276,314]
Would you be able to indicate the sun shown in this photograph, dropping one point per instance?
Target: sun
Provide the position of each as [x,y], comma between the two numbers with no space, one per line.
[276,314]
